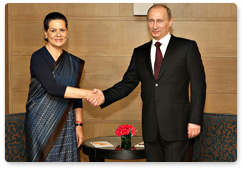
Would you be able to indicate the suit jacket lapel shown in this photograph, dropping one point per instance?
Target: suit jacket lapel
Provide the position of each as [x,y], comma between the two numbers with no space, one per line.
[147,50]
[168,55]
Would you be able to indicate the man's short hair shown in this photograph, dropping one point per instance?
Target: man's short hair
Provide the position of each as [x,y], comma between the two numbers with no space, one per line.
[163,6]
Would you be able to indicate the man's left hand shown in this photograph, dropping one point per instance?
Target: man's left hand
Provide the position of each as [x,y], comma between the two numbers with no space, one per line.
[193,130]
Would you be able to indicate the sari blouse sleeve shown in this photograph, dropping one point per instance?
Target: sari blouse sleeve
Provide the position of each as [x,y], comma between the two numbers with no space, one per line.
[77,103]
[40,69]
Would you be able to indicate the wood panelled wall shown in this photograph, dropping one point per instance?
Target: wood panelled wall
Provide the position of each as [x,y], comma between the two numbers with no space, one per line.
[104,35]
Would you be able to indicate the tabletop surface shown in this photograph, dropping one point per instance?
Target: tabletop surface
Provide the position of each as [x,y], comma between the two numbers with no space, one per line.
[114,152]
[115,141]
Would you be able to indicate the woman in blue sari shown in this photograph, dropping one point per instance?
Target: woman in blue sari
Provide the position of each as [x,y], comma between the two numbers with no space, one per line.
[53,124]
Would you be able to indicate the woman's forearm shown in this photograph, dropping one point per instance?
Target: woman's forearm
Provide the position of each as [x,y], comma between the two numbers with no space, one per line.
[93,96]
[76,93]
[78,114]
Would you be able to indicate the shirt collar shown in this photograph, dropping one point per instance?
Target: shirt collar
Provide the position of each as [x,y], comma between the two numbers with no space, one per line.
[164,41]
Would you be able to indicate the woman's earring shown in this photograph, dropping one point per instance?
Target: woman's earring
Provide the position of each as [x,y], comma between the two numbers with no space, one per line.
[46,39]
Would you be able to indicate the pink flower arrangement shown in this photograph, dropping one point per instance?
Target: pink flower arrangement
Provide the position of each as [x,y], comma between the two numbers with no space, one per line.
[125,129]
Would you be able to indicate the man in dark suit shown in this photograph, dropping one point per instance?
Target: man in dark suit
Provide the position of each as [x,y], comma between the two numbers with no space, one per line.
[165,67]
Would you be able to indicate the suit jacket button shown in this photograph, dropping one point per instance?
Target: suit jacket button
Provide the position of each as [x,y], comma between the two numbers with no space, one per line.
[156,85]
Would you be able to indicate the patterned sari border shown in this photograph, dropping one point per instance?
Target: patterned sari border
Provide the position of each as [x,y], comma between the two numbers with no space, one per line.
[53,137]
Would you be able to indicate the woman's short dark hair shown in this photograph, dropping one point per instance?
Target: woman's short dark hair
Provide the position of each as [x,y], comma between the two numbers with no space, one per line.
[53,16]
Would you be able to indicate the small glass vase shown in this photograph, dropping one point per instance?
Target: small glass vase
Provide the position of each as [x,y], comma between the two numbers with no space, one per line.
[126,141]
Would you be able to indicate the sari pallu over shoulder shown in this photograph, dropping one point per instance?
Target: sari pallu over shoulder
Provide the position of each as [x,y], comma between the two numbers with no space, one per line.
[46,114]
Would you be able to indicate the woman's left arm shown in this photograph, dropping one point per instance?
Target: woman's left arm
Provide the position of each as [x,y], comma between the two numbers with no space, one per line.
[79,129]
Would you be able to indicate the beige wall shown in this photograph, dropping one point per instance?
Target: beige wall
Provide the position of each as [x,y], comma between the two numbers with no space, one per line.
[104,35]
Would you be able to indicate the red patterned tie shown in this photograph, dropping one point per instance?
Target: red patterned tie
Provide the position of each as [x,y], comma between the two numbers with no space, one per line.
[158,60]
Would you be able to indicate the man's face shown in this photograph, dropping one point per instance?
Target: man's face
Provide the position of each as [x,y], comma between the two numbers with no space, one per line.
[158,22]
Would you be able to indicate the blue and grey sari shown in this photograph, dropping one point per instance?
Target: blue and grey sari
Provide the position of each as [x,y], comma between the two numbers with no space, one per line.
[49,124]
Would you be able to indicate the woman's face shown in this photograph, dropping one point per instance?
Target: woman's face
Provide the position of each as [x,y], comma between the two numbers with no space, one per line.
[57,33]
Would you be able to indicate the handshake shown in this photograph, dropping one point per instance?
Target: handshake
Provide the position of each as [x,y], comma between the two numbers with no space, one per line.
[96,97]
